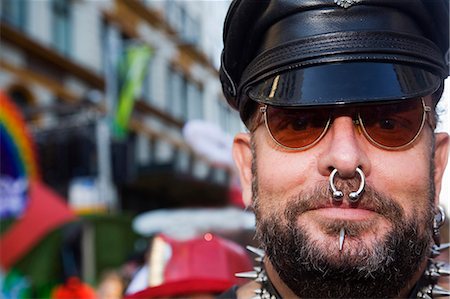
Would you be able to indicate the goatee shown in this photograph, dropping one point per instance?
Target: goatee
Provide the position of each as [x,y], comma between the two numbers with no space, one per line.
[377,270]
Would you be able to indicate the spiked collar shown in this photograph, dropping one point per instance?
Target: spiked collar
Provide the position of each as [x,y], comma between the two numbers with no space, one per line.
[426,288]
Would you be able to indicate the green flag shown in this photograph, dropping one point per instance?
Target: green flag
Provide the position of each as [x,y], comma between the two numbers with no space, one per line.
[135,67]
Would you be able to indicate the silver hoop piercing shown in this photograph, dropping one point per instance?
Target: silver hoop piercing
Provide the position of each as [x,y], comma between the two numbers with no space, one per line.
[337,194]
[353,196]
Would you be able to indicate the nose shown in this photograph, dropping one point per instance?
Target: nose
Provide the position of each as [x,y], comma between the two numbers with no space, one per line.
[343,149]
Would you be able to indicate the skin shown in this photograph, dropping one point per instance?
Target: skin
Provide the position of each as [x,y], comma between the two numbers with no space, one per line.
[282,174]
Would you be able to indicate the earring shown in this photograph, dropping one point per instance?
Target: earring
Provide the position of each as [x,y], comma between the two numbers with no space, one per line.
[438,221]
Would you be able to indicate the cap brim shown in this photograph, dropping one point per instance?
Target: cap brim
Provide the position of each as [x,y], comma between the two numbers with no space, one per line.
[344,83]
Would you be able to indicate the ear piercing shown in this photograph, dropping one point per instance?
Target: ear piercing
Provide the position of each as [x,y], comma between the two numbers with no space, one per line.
[438,221]
[353,196]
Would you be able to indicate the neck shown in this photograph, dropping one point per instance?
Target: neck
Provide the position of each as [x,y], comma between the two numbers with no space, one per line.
[276,281]
[406,291]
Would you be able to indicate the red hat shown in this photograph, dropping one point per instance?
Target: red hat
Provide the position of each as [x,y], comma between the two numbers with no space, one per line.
[73,288]
[201,265]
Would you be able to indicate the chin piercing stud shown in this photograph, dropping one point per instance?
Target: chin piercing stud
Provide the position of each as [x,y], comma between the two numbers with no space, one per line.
[341,238]
[353,196]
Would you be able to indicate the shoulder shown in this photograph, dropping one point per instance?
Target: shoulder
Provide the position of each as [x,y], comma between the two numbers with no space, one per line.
[240,292]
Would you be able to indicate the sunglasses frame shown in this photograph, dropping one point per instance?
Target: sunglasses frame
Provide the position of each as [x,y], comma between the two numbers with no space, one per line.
[357,122]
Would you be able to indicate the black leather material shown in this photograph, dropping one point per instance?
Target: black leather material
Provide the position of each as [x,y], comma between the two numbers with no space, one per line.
[353,83]
[265,39]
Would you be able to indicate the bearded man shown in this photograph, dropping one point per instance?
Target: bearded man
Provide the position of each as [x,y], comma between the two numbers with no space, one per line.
[341,160]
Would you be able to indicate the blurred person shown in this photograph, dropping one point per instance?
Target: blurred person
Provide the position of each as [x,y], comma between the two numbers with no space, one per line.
[200,267]
[341,161]
[111,286]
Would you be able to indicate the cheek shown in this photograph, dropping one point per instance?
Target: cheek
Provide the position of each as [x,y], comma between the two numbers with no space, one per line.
[281,175]
[284,171]
[405,177]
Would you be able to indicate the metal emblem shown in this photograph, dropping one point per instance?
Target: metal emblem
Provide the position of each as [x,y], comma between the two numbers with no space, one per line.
[346,3]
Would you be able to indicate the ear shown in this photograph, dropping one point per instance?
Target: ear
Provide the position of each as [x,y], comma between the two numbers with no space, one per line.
[440,161]
[242,154]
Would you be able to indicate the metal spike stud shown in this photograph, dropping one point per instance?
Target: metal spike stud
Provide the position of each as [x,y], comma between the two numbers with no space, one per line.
[341,239]
[258,291]
[443,246]
[432,272]
[425,296]
[425,292]
[438,291]
[434,252]
[258,259]
[261,278]
[259,252]
[249,275]
[443,268]
[436,270]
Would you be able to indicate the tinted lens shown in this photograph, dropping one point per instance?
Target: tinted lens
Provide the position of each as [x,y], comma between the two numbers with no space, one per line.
[393,125]
[296,128]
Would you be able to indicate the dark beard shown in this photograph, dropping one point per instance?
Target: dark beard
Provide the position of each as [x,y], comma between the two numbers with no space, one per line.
[312,270]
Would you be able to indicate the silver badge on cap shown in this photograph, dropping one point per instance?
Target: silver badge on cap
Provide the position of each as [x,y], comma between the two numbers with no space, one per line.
[346,3]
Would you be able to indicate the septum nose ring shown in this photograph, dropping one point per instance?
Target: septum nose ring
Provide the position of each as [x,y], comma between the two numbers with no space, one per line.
[353,196]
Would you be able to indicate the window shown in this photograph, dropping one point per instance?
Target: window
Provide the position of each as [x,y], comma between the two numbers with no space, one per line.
[187,26]
[195,101]
[61,26]
[177,93]
[147,91]
[184,97]
[191,29]
[174,14]
[14,13]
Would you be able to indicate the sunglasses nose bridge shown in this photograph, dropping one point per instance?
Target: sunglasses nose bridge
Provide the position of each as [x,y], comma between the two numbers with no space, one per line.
[346,119]
[343,150]
[357,123]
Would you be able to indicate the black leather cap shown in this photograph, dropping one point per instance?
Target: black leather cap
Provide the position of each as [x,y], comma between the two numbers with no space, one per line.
[325,52]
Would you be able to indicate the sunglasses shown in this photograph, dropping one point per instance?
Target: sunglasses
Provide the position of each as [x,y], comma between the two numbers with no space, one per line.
[391,126]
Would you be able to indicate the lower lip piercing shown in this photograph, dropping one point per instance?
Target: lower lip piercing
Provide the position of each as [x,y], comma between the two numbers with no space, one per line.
[341,239]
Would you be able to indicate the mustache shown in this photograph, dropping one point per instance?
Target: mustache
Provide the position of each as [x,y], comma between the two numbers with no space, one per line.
[321,197]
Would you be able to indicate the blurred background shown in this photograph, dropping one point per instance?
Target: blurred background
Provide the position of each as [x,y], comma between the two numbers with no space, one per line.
[115,136]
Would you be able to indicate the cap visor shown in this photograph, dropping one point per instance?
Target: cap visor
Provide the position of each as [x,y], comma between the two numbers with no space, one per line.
[342,83]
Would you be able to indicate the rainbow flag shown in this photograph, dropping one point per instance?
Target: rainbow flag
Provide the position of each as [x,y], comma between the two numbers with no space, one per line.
[17,149]
[18,162]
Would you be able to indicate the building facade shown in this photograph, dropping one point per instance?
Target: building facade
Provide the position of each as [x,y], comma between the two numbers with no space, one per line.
[60,62]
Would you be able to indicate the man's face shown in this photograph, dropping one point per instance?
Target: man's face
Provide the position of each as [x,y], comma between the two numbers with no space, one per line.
[387,233]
